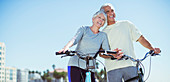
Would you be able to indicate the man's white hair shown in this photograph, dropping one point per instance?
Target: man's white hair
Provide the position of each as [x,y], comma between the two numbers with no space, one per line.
[107,4]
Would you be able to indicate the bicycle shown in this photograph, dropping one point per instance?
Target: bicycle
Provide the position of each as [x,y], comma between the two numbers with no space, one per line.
[86,57]
[139,65]
[107,53]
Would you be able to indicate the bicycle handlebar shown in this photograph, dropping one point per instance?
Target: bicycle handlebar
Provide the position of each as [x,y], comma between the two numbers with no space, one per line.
[151,52]
[72,53]
[107,53]
[67,52]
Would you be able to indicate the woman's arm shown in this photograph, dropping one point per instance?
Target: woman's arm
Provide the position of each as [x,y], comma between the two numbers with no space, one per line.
[69,44]
[74,40]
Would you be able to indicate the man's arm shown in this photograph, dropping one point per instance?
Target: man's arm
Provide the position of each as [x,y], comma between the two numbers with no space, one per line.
[146,44]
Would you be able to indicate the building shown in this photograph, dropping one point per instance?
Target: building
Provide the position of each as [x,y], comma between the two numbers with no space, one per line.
[22,75]
[34,76]
[10,74]
[2,62]
[7,74]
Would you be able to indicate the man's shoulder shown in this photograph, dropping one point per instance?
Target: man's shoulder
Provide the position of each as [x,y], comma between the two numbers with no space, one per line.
[124,21]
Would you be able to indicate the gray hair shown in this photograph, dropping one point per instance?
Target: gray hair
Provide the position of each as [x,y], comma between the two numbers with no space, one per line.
[100,12]
[107,4]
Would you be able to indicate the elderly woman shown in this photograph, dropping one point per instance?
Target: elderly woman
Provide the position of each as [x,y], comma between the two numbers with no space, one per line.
[89,40]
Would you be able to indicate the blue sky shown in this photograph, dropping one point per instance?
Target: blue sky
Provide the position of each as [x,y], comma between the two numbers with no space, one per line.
[33,30]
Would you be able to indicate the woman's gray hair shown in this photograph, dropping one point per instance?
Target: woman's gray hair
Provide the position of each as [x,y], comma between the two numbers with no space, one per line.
[100,12]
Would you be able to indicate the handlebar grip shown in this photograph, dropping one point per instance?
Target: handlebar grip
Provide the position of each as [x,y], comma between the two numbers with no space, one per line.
[153,53]
[110,52]
[67,52]
[57,53]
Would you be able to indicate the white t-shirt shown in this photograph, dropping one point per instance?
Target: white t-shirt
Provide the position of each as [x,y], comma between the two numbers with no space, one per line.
[121,35]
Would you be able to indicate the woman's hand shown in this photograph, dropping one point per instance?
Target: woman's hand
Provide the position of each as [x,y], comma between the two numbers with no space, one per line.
[64,49]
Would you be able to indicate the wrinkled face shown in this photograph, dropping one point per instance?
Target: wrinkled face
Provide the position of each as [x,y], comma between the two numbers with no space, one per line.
[99,20]
[110,13]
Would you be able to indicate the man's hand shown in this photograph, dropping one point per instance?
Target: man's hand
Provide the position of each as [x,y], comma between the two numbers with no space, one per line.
[157,50]
[119,53]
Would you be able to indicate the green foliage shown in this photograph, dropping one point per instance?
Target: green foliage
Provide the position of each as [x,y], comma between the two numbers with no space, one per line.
[49,79]
[58,75]
[44,76]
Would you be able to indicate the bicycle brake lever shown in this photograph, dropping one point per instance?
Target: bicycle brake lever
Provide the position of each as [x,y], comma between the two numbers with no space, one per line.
[64,56]
[155,54]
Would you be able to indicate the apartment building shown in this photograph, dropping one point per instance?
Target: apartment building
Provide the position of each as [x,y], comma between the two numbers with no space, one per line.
[22,75]
[2,62]
[10,74]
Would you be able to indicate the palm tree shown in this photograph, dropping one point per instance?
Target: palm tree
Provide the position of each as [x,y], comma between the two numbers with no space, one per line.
[32,72]
[29,72]
[36,72]
[54,73]
[53,66]
[44,76]
[48,72]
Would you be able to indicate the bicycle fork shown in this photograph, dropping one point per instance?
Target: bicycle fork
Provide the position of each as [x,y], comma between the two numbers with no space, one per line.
[88,74]
[140,72]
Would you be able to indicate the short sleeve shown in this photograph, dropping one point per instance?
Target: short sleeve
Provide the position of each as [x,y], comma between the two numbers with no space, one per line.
[78,35]
[105,43]
[135,33]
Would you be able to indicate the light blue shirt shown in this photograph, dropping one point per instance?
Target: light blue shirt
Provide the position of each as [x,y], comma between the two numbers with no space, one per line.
[88,43]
